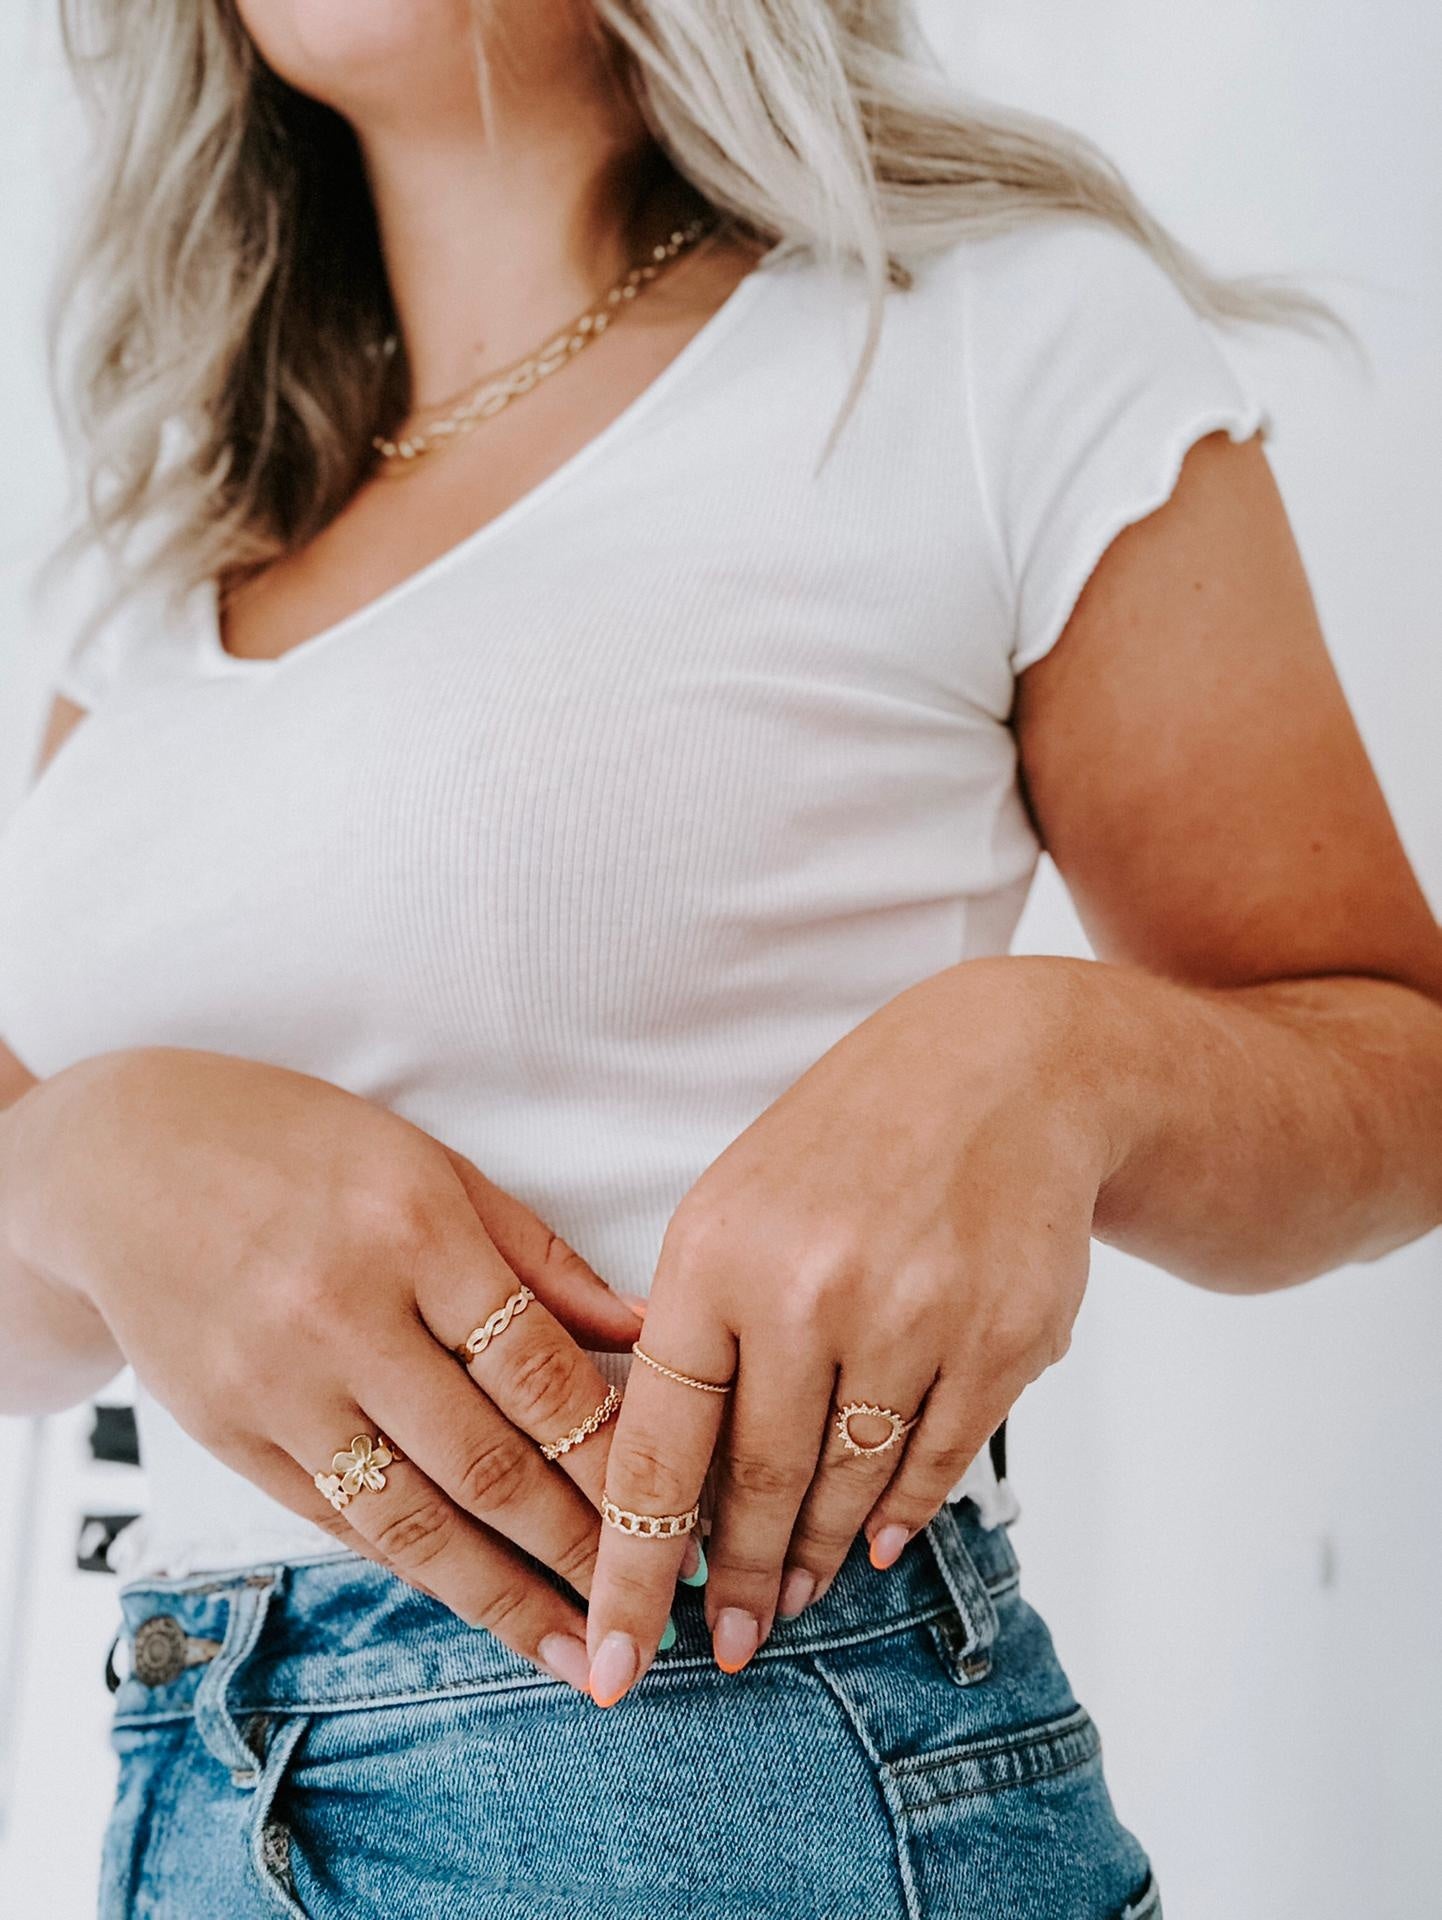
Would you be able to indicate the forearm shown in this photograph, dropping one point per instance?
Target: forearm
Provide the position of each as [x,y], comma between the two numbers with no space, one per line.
[56,1348]
[1263,1135]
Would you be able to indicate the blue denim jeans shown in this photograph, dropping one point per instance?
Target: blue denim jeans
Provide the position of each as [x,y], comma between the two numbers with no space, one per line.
[908,1748]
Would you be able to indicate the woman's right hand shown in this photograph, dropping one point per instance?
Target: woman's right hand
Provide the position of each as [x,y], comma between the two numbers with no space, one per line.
[288,1265]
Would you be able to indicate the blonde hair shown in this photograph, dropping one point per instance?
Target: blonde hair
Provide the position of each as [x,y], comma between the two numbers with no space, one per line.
[221,319]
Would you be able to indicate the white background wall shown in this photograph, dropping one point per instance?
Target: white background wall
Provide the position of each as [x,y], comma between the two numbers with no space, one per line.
[1230,1507]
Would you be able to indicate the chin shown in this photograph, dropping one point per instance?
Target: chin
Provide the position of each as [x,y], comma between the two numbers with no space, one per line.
[368,57]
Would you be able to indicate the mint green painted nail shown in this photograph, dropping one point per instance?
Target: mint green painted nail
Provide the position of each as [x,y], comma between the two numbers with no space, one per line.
[668,1638]
[698,1578]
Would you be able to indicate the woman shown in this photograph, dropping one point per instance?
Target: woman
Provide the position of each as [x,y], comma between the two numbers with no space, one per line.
[554,802]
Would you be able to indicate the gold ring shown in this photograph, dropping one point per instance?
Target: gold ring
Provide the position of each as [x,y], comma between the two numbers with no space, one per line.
[608,1406]
[686,1379]
[481,1337]
[360,1468]
[649,1526]
[845,1414]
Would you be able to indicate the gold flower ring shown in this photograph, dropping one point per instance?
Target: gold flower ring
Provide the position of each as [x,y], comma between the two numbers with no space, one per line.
[359,1469]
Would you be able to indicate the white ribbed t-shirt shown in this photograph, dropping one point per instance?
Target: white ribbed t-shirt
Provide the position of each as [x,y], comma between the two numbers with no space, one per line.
[580,845]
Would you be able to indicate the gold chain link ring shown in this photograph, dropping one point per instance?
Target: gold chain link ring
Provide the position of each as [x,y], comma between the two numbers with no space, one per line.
[588,1426]
[649,1526]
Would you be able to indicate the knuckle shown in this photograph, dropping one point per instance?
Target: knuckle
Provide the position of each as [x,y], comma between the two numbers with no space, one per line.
[543,1381]
[494,1473]
[398,1208]
[764,1479]
[821,1544]
[418,1534]
[503,1612]
[935,1460]
[576,1561]
[645,1478]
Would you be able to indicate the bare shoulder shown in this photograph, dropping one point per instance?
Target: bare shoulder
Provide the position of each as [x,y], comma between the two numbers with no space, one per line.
[1191,762]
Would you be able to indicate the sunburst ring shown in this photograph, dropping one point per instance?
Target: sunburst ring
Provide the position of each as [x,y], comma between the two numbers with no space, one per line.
[845,1414]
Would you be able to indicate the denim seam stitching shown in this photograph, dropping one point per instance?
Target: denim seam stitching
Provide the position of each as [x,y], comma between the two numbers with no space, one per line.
[1074,1721]
[1073,1739]
[273,1772]
[524,1683]
[895,1810]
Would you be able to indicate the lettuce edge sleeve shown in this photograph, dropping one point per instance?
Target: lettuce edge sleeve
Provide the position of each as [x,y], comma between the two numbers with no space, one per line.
[1241,418]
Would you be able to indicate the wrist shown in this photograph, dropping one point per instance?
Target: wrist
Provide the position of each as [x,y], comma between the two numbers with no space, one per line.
[1084,1042]
[40,1215]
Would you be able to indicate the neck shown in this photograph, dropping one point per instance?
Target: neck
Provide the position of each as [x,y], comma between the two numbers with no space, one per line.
[494,237]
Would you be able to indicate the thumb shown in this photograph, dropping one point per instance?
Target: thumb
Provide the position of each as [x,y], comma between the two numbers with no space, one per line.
[590,1310]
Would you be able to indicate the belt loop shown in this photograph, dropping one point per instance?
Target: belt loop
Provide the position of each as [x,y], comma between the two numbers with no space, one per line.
[973,1603]
[246,1606]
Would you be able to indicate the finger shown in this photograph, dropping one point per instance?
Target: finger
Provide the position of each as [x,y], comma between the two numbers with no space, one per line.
[660,1451]
[490,1468]
[775,1429]
[272,1470]
[847,1484]
[411,1520]
[956,1423]
[593,1312]
[526,1364]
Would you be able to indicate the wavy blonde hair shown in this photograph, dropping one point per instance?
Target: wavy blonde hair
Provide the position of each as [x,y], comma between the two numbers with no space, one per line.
[221,318]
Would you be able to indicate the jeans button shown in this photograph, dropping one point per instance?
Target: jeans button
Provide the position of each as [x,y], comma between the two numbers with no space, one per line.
[159,1655]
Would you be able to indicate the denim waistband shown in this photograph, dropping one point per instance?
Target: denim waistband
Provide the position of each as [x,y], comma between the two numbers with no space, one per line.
[341,1633]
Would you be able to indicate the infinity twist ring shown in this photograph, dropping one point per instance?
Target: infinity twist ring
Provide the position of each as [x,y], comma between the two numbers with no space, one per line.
[495,1324]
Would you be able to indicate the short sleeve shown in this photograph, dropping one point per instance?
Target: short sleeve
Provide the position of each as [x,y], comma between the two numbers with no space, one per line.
[1089,376]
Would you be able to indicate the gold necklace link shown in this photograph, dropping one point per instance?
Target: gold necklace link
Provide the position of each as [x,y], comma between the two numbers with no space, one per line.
[488,396]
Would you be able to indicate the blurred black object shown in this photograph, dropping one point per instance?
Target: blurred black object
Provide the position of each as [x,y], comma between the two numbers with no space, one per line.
[113,1436]
[97,1530]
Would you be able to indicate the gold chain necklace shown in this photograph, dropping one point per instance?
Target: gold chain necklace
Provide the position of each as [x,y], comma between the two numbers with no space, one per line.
[497,390]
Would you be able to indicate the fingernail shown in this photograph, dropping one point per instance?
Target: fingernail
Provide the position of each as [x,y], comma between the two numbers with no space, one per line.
[635,1301]
[886,1547]
[796,1589]
[668,1638]
[734,1638]
[613,1669]
[565,1656]
[697,1576]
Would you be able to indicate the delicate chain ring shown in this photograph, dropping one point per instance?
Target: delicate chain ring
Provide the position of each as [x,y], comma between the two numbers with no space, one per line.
[361,1468]
[649,1526]
[686,1379]
[844,1416]
[481,1337]
[495,391]
[592,1421]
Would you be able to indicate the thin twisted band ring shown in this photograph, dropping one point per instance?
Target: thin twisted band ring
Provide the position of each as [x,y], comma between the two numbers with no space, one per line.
[592,1421]
[844,1416]
[481,1337]
[686,1379]
[649,1526]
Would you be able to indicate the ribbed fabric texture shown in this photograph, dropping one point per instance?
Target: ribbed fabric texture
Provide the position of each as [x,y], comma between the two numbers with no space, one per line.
[581,845]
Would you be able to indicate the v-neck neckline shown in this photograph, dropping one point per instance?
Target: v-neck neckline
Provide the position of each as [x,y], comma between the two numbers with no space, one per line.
[738,301]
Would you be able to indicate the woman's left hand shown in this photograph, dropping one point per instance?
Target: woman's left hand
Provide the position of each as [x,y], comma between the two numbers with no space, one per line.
[908,1226]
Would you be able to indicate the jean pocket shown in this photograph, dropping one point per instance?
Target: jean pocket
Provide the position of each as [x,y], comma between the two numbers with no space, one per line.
[1018,1820]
